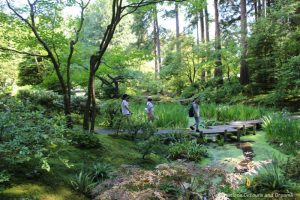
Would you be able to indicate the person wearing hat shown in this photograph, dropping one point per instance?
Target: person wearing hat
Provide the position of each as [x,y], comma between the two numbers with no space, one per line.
[125,105]
[150,109]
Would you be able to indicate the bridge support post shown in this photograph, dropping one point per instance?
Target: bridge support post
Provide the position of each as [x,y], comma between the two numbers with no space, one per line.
[238,136]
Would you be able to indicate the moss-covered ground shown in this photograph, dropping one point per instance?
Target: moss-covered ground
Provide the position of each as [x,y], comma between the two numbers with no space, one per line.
[55,184]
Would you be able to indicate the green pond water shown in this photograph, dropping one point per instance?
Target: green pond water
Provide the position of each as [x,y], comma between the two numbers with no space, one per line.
[230,155]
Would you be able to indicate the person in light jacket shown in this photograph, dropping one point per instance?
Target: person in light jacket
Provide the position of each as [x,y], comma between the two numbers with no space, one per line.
[150,109]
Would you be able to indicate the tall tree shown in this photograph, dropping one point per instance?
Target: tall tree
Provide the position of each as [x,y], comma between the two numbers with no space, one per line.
[119,10]
[157,50]
[202,25]
[49,21]
[244,72]
[218,63]
[206,23]
[177,28]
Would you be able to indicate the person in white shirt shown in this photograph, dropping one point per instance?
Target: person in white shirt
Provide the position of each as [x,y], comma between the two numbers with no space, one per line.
[196,107]
[150,109]
[125,106]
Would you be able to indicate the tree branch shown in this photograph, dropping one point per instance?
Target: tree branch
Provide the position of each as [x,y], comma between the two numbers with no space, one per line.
[22,52]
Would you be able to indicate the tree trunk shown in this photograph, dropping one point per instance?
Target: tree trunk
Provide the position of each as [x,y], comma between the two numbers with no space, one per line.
[244,74]
[155,50]
[198,38]
[177,28]
[255,9]
[203,75]
[258,8]
[202,26]
[157,42]
[88,109]
[218,68]
[206,24]
[268,7]
[263,8]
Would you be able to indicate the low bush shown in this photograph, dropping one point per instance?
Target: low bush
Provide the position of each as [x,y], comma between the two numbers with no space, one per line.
[4,177]
[83,182]
[150,145]
[111,113]
[291,168]
[28,135]
[269,179]
[189,150]
[101,171]
[45,98]
[83,139]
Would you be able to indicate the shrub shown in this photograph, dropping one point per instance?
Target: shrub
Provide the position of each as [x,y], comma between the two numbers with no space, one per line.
[47,99]
[111,113]
[83,139]
[291,168]
[28,135]
[150,145]
[4,177]
[102,171]
[170,189]
[83,182]
[269,179]
[189,150]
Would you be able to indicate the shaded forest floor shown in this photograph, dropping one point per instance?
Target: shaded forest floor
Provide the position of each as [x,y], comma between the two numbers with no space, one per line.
[55,184]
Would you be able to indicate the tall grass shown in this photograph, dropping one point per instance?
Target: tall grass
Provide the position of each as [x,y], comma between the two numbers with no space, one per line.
[283,131]
[168,115]
[175,115]
[227,113]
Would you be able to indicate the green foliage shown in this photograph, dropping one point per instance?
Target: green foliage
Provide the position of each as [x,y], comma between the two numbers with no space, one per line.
[282,131]
[111,113]
[227,113]
[273,51]
[102,171]
[168,138]
[150,145]
[170,189]
[189,150]
[4,177]
[269,178]
[83,139]
[291,168]
[45,98]
[167,114]
[31,71]
[27,135]
[50,100]
[83,182]
[289,83]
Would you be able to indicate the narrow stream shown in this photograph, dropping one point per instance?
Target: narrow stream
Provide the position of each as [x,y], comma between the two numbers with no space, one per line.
[245,165]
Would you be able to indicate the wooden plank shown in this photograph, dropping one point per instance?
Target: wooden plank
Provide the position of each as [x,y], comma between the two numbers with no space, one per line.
[224,127]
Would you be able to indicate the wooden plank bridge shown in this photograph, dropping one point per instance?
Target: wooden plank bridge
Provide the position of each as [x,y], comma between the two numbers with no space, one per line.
[235,128]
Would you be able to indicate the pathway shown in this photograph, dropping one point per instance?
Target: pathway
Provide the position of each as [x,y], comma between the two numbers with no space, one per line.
[236,128]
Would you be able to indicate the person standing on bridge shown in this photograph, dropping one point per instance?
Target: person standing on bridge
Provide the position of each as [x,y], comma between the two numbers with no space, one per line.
[196,108]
